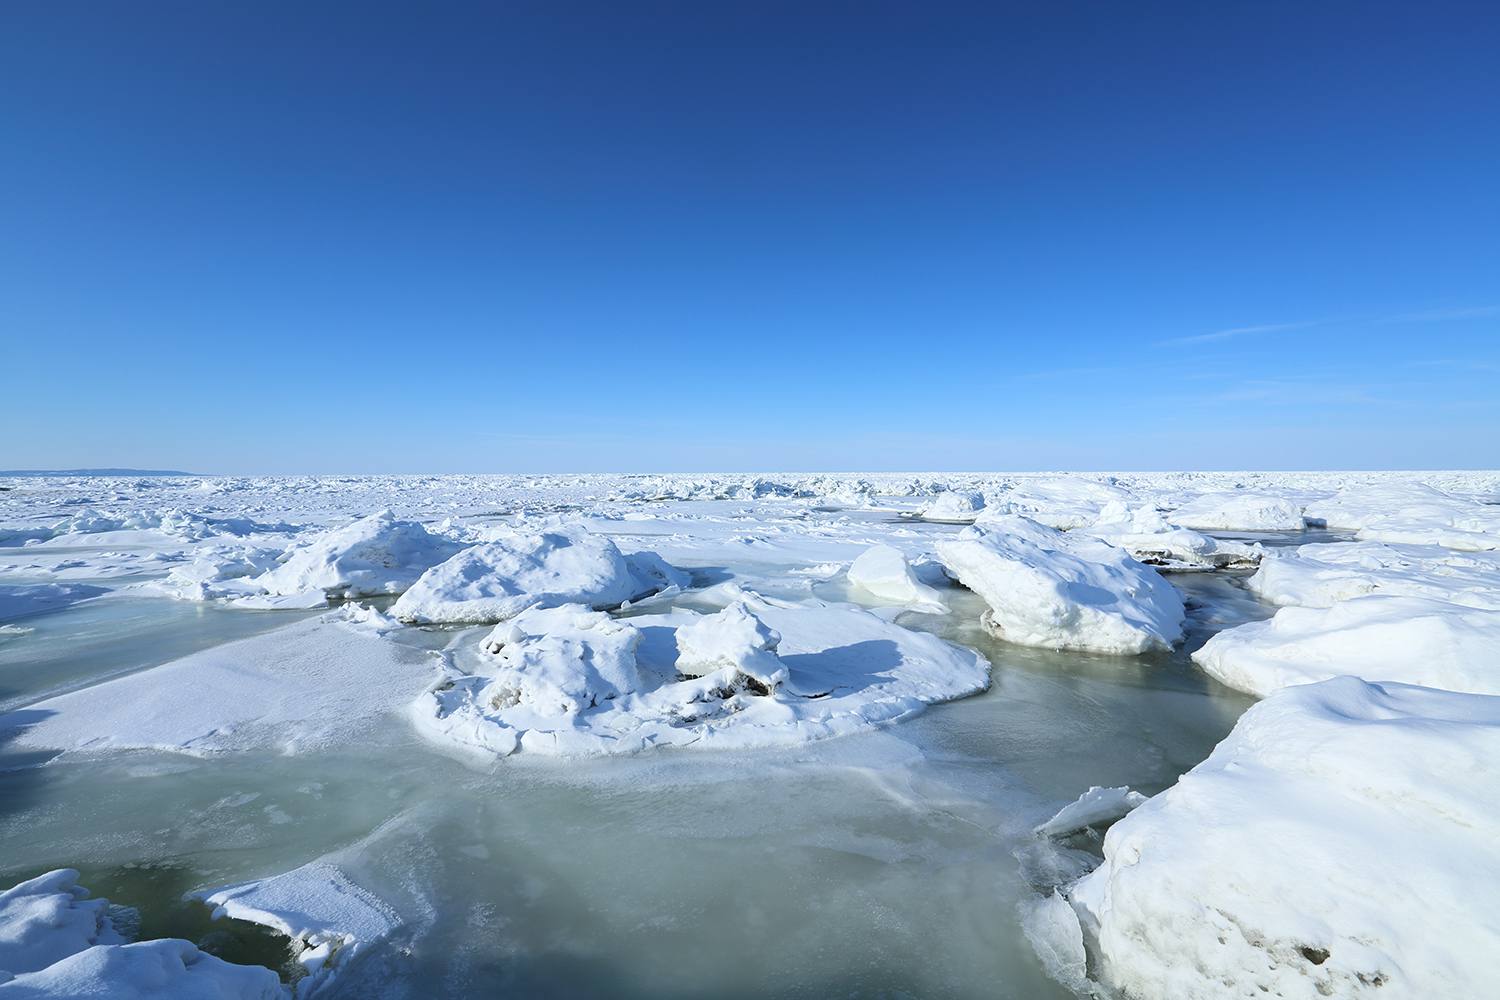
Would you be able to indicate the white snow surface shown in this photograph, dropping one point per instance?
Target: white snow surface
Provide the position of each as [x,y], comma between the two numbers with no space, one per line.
[954,507]
[1093,808]
[1339,842]
[1412,640]
[1063,590]
[498,579]
[1321,575]
[1149,537]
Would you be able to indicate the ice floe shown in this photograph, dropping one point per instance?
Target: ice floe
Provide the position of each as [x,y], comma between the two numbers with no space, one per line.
[757,673]
[1339,842]
[1239,512]
[1095,807]
[1322,574]
[18,602]
[328,918]
[1412,640]
[498,579]
[1063,590]
[1150,538]
[954,507]
[378,554]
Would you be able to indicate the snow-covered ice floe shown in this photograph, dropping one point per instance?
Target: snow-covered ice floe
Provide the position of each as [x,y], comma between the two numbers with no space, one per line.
[498,579]
[883,572]
[313,683]
[1239,512]
[1150,538]
[1408,639]
[1095,807]
[1413,514]
[1321,575]
[1063,590]
[953,507]
[757,673]
[328,918]
[18,602]
[1339,842]
[58,944]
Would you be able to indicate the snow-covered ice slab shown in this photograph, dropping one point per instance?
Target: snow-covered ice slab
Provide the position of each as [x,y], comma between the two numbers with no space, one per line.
[953,507]
[883,572]
[58,944]
[1150,538]
[1063,590]
[309,684]
[1239,512]
[1321,575]
[326,915]
[1339,842]
[499,579]
[759,673]
[1413,514]
[1407,639]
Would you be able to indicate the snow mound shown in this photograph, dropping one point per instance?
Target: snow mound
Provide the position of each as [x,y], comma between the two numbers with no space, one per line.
[499,579]
[1151,539]
[1063,590]
[1239,512]
[1339,842]
[776,675]
[374,555]
[1408,639]
[883,572]
[327,916]
[57,943]
[1322,575]
[954,507]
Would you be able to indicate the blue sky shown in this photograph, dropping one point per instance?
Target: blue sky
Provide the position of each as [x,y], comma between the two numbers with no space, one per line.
[638,236]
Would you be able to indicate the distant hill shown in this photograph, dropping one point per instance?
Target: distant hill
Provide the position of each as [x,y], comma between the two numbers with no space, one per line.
[94,472]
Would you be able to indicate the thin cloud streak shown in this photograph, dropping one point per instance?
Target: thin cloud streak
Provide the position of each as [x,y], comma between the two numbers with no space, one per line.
[1242,331]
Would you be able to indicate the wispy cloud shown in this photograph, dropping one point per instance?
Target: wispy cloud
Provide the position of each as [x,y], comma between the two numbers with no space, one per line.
[1242,331]
[1431,316]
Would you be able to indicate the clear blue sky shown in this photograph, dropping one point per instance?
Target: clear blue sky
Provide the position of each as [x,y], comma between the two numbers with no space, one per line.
[633,236]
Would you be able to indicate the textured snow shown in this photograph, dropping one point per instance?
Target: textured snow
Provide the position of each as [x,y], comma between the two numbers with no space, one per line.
[498,579]
[18,602]
[1407,639]
[1063,590]
[1339,842]
[46,919]
[954,507]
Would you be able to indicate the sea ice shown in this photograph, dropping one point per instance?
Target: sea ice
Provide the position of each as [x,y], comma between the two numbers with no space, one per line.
[1323,574]
[1150,538]
[1063,590]
[954,507]
[1339,842]
[498,579]
[883,572]
[1239,512]
[377,554]
[1408,639]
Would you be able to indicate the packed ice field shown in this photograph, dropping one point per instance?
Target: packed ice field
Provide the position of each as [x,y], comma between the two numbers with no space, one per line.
[1162,735]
